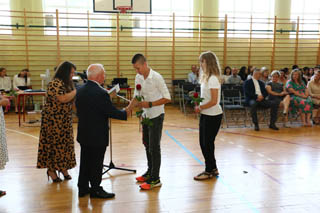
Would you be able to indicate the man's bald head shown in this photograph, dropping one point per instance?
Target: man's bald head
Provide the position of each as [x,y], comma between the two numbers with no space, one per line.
[95,72]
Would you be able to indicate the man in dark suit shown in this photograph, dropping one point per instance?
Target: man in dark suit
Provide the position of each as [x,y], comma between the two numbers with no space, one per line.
[255,94]
[94,108]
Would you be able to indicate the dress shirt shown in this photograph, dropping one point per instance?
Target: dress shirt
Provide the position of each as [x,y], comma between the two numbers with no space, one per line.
[257,87]
[153,88]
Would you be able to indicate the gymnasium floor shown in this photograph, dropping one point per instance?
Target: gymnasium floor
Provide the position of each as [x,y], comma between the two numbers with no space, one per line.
[266,171]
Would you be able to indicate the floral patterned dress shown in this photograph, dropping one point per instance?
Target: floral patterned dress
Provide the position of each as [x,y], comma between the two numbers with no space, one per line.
[296,102]
[3,142]
[56,144]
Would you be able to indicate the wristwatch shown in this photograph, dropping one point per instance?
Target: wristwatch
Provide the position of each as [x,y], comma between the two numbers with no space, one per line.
[150,104]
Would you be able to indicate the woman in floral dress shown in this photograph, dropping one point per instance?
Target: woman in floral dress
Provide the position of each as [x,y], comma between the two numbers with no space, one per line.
[299,97]
[3,142]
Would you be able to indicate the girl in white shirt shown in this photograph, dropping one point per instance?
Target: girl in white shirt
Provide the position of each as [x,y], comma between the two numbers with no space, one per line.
[22,79]
[210,112]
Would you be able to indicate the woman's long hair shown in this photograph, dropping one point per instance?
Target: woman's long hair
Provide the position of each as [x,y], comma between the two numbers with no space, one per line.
[213,66]
[63,73]
[299,78]
[26,76]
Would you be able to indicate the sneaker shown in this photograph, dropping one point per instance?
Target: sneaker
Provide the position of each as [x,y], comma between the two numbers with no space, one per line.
[151,184]
[143,178]
[204,175]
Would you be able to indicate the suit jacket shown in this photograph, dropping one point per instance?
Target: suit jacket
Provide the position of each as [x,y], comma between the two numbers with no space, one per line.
[94,108]
[250,90]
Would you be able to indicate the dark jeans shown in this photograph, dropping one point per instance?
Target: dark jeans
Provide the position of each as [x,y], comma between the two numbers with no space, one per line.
[209,127]
[273,104]
[91,165]
[151,137]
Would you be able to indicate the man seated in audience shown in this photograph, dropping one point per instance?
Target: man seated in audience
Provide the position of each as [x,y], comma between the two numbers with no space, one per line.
[255,94]
[234,78]
[193,77]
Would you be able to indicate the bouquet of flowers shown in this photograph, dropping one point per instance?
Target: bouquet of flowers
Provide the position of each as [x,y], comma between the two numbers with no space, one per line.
[139,114]
[196,99]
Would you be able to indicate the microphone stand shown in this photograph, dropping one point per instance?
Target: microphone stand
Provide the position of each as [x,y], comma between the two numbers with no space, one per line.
[111,164]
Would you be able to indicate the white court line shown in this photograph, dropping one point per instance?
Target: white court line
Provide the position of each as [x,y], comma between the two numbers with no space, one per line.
[231,142]
[261,155]
[222,139]
[250,150]
[269,159]
[22,133]
[240,146]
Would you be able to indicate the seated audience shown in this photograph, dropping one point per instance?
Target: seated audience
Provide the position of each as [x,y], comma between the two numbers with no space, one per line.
[5,81]
[255,94]
[283,77]
[22,80]
[299,97]
[278,93]
[250,72]
[314,92]
[243,73]
[226,74]
[193,77]
[264,75]
[5,86]
[305,72]
[234,78]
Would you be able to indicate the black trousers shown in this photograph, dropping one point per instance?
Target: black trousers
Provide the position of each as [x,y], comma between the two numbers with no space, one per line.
[208,129]
[274,105]
[91,165]
[151,137]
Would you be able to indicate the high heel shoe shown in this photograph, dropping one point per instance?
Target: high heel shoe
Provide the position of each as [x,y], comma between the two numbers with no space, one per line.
[66,177]
[56,180]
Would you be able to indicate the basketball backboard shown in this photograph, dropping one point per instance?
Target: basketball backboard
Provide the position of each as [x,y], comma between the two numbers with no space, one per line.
[110,6]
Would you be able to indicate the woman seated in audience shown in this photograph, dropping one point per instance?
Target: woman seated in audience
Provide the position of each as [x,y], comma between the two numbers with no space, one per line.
[5,85]
[283,77]
[243,73]
[265,75]
[299,97]
[21,81]
[226,74]
[278,93]
[250,72]
[314,92]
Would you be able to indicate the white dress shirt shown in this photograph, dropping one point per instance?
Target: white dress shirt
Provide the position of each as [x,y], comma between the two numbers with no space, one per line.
[5,83]
[257,86]
[193,78]
[17,81]
[153,88]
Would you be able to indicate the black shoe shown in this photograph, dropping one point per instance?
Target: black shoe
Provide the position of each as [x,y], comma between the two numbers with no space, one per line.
[83,192]
[100,193]
[256,127]
[274,127]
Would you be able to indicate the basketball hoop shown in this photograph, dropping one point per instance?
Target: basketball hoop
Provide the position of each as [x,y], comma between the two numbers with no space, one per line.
[124,9]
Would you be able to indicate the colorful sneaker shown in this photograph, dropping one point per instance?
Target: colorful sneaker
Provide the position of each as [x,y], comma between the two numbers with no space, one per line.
[204,176]
[143,178]
[151,184]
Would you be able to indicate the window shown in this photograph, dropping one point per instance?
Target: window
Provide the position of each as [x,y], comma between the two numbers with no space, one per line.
[239,13]
[72,20]
[308,12]
[5,20]
[160,23]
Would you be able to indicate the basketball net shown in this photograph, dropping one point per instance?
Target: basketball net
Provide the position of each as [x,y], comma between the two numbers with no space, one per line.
[124,9]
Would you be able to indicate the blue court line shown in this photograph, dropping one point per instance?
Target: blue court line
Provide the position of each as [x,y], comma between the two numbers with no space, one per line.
[242,197]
